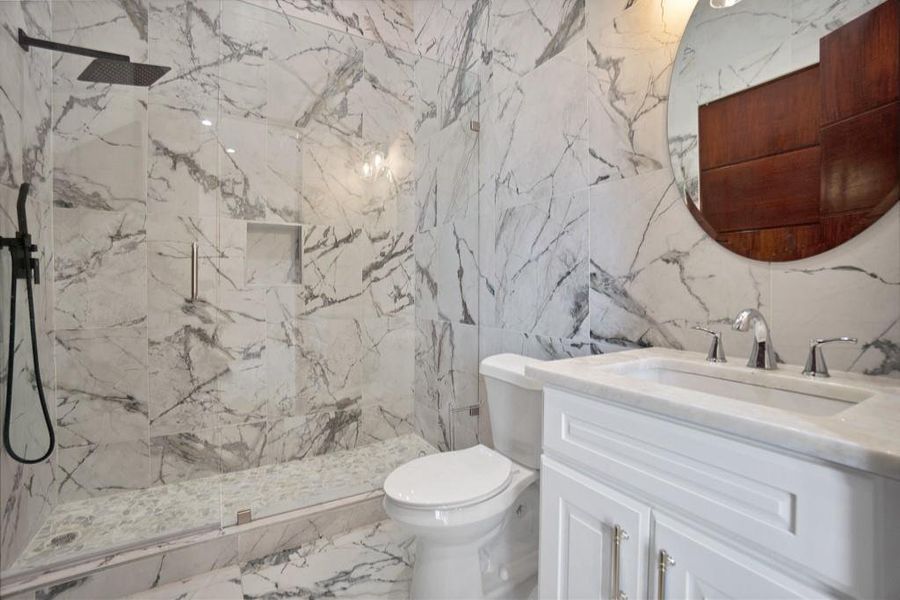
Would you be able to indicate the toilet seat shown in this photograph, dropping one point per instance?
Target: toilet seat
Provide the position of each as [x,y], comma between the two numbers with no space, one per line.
[450,479]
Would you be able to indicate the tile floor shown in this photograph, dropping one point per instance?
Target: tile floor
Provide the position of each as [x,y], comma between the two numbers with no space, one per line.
[370,562]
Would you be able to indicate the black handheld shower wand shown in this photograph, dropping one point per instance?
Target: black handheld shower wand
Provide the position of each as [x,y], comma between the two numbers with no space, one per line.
[24,266]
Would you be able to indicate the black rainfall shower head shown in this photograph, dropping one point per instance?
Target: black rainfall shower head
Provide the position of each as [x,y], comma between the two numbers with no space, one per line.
[106,67]
[123,72]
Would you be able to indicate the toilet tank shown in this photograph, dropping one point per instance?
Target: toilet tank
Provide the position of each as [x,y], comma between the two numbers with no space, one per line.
[516,407]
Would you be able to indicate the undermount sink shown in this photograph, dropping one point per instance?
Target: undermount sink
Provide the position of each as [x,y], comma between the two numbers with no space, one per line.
[775,389]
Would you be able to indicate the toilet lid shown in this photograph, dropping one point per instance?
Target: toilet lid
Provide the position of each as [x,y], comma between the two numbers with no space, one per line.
[449,478]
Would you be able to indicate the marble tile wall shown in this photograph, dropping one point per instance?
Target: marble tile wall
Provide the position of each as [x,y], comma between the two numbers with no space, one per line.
[584,243]
[301,339]
[27,492]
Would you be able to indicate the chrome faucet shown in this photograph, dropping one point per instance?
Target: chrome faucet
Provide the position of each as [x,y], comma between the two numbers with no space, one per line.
[762,354]
[815,361]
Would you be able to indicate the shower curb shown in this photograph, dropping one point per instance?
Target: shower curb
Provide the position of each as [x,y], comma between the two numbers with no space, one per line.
[129,570]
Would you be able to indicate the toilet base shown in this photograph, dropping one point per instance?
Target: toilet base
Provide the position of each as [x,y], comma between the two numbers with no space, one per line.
[447,571]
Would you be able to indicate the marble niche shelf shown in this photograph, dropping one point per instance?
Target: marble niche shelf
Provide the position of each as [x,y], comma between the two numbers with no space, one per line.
[89,528]
[273,254]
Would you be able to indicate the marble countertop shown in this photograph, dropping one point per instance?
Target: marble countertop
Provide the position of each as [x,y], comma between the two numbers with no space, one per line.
[865,436]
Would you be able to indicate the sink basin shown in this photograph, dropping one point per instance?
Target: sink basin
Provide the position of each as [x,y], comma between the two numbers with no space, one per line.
[767,388]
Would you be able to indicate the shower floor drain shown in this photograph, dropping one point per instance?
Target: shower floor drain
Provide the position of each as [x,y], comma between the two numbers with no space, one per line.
[63,539]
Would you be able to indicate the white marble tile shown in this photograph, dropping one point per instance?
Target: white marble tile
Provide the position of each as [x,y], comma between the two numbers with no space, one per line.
[534,134]
[540,267]
[630,55]
[655,274]
[390,366]
[313,75]
[375,561]
[298,437]
[243,61]
[100,469]
[446,376]
[100,271]
[243,171]
[446,174]
[388,271]
[284,181]
[852,290]
[184,35]
[183,161]
[99,147]
[389,22]
[102,393]
[263,541]
[221,584]
[331,355]
[186,356]
[548,25]
[452,32]
[333,258]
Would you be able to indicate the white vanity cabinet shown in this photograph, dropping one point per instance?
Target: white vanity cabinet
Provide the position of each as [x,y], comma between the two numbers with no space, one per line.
[706,515]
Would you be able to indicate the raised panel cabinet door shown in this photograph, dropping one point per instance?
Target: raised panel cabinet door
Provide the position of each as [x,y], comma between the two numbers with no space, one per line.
[593,539]
[689,565]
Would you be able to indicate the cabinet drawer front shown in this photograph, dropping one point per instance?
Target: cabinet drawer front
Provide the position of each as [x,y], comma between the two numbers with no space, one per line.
[699,567]
[823,520]
[578,517]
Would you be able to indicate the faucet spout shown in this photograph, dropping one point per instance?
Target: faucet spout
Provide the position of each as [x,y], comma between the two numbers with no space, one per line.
[762,353]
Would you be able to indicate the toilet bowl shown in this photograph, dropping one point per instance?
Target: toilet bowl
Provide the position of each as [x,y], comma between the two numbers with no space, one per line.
[458,503]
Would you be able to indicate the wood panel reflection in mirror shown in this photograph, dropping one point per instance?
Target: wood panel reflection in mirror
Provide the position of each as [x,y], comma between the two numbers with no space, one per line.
[780,152]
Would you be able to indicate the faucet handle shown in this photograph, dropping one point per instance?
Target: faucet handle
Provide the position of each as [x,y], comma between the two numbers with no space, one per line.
[716,352]
[815,360]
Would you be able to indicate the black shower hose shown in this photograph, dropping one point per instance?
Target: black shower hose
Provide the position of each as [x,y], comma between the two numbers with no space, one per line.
[7,415]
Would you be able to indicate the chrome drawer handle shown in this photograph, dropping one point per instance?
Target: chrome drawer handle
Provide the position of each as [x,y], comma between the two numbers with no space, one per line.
[619,535]
[665,561]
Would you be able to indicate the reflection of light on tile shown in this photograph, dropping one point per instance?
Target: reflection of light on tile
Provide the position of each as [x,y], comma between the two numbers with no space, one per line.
[230,150]
[723,3]
[366,170]
[206,122]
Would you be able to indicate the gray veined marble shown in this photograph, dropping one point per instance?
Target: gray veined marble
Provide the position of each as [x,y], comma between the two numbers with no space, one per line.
[101,385]
[372,562]
[546,109]
[541,267]
[650,288]
[630,57]
[100,271]
[184,35]
[549,26]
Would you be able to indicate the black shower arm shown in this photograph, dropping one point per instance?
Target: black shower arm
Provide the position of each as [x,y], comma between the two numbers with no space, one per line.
[27,41]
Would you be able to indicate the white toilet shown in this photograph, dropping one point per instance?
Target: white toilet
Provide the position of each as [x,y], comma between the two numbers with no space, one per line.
[474,512]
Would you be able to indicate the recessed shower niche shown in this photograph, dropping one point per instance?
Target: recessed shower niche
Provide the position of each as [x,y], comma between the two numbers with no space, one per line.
[273,254]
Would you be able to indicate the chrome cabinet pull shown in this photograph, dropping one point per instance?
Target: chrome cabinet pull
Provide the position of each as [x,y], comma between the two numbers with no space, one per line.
[619,535]
[195,268]
[665,561]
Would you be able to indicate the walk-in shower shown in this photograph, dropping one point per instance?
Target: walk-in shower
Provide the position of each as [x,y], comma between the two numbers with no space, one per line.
[237,318]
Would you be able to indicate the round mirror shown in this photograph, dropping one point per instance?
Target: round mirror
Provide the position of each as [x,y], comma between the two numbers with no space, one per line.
[784,121]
